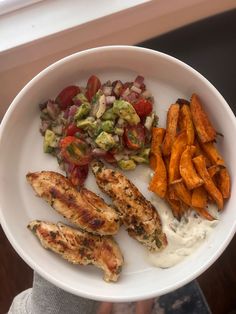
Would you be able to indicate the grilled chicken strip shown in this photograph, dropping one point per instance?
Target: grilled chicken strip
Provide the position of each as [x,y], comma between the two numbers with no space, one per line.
[80,247]
[84,209]
[138,215]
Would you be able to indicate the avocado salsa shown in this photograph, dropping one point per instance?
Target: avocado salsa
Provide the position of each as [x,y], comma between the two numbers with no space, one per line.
[111,121]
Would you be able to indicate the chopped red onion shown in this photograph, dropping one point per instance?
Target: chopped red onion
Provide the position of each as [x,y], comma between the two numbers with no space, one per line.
[117,89]
[110,99]
[57,129]
[116,138]
[97,152]
[139,80]
[52,109]
[125,93]
[72,111]
[44,126]
[136,89]
[107,90]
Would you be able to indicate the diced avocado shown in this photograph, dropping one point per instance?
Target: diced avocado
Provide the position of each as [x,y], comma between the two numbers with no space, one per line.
[49,142]
[126,111]
[81,97]
[95,129]
[127,164]
[109,115]
[142,157]
[85,123]
[108,126]
[105,141]
[82,111]
[119,131]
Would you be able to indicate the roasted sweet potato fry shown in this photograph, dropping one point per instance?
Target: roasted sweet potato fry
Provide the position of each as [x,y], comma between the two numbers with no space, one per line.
[209,185]
[204,127]
[213,170]
[158,183]
[178,147]
[157,139]
[199,151]
[171,193]
[175,206]
[171,129]
[182,101]
[182,192]
[186,123]
[199,197]
[212,153]
[187,170]
[223,182]
[204,213]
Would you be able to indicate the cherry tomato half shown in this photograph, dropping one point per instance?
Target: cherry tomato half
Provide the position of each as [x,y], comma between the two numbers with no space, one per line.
[143,107]
[71,129]
[75,151]
[78,174]
[65,97]
[134,136]
[109,157]
[92,87]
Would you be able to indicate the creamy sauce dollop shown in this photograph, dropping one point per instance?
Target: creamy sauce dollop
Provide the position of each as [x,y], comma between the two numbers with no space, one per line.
[184,237]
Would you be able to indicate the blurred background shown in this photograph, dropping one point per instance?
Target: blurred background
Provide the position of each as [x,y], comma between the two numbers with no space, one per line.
[201,33]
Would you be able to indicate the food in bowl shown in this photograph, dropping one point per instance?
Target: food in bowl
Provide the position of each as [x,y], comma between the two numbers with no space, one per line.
[80,247]
[188,170]
[83,208]
[110,120]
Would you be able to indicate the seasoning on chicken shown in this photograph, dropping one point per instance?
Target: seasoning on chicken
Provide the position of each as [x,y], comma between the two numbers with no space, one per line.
[84,209]
[139,216]
[80,247]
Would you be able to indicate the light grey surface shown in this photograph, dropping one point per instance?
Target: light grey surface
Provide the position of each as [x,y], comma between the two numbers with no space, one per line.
[45,298]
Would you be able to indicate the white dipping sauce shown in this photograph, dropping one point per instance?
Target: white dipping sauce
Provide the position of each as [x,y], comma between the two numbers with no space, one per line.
[183,237]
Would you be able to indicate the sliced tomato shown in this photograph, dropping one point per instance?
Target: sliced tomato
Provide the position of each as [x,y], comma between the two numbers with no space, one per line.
[65,97]
[109,157]
[134,136]
[75,151]
[72,129]
[143,107]
[92,87]
[78,174]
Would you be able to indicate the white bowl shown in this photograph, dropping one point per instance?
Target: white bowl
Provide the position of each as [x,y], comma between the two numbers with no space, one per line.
[21,151]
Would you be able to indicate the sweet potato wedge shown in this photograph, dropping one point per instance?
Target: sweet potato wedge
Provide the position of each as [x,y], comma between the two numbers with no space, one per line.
[204,127]
[171,129]
[158,183]
[187,170]
[223,182]
[171,193]
[178,147]
[199,197]
[204,213]
[213,170]
[182,192]
[209,185]
[182,101]
[157,139]
[199,151]
[186,123]
[175,205]
[212,153]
